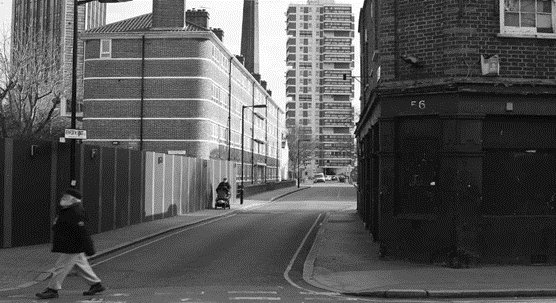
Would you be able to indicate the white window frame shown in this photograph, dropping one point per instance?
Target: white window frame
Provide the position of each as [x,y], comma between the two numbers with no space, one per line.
[525,31]
[105,54]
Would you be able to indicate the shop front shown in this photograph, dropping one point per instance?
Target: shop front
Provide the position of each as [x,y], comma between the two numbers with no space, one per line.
[466,170]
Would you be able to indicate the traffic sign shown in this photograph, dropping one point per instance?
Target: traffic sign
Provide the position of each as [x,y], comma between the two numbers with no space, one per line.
[76,134]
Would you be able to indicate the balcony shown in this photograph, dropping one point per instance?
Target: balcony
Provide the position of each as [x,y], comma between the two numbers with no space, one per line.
[290,58]
[337,10]
[290,90]
[291,41]
[291,10]
[337,91]
[338,17]
[290,105]
[336,123]
[337,49]
[291,49]
[290,73]
[337,58]
[337,41]
[337,26]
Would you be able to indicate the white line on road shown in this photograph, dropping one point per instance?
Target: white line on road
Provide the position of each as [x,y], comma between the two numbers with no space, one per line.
[256,298]
[316,293]
[252,292]
[286,273]
[162,238]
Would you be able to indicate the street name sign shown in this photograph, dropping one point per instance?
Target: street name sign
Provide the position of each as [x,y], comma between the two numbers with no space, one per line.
[79,134]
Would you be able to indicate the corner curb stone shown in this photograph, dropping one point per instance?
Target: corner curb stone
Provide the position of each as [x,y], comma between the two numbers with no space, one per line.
[490,293]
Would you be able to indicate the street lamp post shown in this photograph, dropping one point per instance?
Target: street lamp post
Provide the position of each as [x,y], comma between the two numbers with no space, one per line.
[243,107]
[73,142]
[298,172]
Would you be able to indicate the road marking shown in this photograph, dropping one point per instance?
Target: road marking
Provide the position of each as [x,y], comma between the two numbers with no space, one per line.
[286,273]
[320,299]
[256,298]
[316,293]
[162,238]
[252,292]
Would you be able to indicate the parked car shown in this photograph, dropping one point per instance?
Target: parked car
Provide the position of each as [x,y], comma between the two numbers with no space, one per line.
[319,177]
[342,178]
[328,178]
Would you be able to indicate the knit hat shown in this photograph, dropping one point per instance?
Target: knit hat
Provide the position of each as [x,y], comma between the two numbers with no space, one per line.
[74,193]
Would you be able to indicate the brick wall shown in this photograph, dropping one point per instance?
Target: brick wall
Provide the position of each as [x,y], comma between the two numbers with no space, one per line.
[449,36]
[180,74]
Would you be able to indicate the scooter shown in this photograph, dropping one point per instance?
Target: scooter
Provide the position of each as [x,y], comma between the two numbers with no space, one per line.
[222,199]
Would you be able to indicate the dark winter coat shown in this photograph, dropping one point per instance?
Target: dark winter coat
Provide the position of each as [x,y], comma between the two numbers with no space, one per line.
[224,185]
[70,232]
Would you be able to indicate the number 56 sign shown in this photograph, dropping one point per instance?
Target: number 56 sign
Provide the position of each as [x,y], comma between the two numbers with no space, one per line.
[420,104]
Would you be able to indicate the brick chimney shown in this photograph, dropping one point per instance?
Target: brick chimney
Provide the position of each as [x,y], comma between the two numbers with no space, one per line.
[168,14]
[219,33]
[263,84]
[257,77]
[239,58]
[198,17]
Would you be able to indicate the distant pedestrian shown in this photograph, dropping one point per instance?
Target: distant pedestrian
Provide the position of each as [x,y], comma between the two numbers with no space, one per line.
[224,185]
[72,240]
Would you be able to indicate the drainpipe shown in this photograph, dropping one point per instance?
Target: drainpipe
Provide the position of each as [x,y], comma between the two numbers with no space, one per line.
[230,110]
[266,138]
[253,137]
[142,92]
[396,41]
[278,146]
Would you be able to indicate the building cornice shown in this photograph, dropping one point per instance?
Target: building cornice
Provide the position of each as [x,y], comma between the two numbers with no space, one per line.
[149,34]
[468,85]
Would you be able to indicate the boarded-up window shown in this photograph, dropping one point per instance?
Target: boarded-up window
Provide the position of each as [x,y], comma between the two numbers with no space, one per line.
[419,142]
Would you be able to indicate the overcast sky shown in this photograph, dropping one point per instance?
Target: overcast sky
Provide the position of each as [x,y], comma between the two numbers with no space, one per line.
[227,14]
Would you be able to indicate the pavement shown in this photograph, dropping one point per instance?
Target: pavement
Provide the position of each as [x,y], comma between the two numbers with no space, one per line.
[343,259]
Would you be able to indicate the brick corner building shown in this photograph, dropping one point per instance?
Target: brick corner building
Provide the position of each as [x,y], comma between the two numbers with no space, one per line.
[457,130]
[164,82]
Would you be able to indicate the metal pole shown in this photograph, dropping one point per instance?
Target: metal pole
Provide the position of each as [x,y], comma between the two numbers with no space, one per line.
[142,109]
[242,147]
[298,179]
[74,93]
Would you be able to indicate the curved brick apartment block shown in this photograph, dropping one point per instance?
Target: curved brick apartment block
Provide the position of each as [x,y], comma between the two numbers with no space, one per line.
[177,88]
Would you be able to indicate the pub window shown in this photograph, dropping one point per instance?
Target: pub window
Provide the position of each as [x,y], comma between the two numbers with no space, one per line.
[528,17]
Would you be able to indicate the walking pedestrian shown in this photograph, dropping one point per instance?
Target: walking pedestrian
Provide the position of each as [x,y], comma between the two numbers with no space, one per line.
[72,240]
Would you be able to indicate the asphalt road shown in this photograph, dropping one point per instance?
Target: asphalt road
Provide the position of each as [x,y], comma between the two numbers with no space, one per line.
[255,255]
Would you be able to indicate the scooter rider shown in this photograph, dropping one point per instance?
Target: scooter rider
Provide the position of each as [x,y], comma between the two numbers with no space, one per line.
[224,185]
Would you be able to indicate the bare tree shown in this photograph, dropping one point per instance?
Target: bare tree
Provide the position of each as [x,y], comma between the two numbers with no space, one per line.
[307,145]
[31,86]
